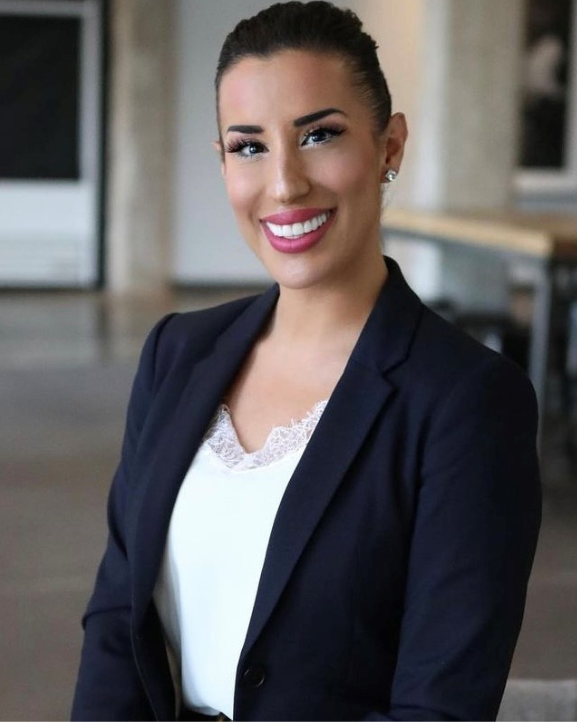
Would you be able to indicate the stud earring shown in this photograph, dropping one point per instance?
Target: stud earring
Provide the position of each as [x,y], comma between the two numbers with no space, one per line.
[390,175]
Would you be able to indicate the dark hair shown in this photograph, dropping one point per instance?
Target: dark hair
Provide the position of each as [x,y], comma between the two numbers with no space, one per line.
[317,26]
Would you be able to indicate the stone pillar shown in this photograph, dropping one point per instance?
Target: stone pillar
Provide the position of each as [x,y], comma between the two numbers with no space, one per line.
[139,148]
[482,102]
[456,70]
[480,148]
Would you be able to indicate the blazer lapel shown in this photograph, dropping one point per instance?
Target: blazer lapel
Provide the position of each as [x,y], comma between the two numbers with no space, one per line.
[358,399]
[191,399]
[348,417]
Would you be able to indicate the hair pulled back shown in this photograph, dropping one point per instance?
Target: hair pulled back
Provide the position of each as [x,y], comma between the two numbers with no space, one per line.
[316,26]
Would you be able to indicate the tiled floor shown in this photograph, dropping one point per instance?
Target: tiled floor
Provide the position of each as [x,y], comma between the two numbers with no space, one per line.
[66,364]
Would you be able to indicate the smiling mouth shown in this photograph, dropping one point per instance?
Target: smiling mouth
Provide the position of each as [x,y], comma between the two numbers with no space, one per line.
[297,230]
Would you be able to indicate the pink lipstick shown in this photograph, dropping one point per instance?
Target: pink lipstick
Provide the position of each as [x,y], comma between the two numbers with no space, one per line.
[297,230]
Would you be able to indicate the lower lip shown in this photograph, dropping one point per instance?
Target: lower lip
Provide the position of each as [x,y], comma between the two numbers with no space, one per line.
[300,244]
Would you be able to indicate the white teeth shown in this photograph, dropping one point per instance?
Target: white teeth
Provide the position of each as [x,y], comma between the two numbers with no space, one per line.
[296,230]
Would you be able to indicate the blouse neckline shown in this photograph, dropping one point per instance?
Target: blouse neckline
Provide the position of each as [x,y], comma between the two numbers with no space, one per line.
[281,441]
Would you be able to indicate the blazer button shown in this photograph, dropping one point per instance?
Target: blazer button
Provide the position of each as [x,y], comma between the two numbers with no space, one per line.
[254,676]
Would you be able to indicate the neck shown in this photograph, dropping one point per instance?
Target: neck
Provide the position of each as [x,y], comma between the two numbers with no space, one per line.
[330,315]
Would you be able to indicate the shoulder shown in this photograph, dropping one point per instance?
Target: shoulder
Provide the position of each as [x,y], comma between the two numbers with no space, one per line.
[204,325]
[449,370]
[445,363]
[183,337]
[445,350]
[425,357]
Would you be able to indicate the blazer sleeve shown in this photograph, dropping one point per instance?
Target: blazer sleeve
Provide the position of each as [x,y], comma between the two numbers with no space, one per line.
[474,539]
[108,685]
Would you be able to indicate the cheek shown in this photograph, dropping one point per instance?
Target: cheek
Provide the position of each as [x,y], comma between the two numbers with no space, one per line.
[242,190]
[352,175]
[363,176]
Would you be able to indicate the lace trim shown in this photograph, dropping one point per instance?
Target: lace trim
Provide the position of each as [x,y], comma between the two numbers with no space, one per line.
[222,438]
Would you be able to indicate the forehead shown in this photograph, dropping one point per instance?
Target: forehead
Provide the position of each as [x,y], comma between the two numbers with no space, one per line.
[291,83]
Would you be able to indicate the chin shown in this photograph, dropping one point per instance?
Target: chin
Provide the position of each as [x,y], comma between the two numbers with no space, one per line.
[293,278]
[299,273]
[324,264]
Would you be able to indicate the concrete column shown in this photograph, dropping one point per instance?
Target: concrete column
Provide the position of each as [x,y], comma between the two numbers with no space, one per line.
[139,151]
[454,67]
[482,102]
[480,144]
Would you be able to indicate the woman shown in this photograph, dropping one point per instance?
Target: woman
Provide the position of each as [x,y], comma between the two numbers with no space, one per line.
[369,561]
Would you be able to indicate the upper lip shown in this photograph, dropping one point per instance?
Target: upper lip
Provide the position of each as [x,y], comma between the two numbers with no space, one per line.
[299,215]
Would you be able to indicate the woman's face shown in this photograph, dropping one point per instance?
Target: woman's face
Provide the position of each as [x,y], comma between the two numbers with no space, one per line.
[303,166]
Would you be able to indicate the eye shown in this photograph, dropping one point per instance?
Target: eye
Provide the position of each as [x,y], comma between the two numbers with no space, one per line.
[321,135]
[245,148]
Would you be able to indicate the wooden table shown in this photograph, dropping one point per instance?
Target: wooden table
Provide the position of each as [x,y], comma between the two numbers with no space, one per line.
[548,241]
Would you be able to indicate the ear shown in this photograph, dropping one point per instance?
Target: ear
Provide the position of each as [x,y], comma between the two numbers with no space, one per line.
[394,139]
[217,145]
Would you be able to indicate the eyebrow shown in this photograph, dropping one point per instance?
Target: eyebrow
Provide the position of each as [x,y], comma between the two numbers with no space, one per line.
[319,115]
[248,129]
[299,122]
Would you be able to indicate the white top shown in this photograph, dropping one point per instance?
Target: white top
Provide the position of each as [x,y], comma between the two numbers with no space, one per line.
[215,550]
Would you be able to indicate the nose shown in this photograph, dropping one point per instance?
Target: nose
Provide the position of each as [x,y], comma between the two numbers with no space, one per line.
[289,177]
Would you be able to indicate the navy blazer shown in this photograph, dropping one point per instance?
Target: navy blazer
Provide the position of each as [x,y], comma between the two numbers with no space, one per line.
[395,576]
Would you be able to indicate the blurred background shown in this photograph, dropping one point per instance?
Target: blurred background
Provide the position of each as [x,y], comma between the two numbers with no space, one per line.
[112,213]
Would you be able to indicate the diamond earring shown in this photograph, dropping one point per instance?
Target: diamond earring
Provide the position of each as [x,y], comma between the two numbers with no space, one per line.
[391,175]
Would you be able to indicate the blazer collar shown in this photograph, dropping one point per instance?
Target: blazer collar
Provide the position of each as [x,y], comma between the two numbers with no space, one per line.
[387,335]
[191,399]
[383,343]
